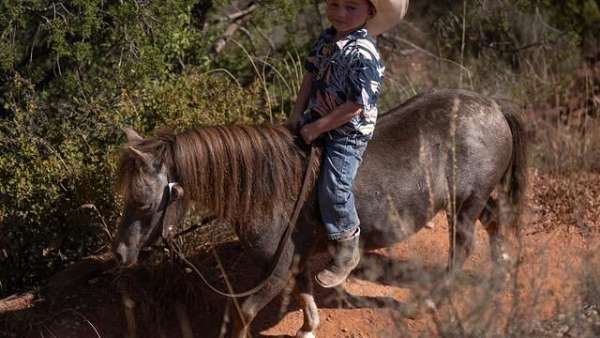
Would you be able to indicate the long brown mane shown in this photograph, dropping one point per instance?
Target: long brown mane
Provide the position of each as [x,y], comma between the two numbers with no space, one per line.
[240,173]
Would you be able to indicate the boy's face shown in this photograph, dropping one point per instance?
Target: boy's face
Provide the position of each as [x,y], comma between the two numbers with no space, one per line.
[348,15]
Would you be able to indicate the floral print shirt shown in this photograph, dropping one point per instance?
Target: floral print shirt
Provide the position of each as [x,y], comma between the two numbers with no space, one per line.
[348,69]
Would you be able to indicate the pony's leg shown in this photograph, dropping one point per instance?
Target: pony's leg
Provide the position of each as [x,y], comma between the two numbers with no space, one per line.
[256,302]
[462,231]
[304,293]
[491,219]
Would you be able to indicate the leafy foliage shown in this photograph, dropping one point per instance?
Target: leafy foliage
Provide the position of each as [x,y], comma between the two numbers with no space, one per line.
[72,74]
[581,17]
[504,30]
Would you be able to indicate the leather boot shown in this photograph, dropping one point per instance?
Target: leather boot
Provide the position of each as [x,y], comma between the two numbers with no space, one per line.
[345,257]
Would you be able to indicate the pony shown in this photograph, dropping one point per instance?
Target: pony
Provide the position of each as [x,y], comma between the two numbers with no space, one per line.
[450,150]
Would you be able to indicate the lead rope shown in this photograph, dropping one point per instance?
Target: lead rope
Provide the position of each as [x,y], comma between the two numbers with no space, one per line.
[282,244]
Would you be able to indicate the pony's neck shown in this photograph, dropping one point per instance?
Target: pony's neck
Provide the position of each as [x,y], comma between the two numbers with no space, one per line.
[241,173]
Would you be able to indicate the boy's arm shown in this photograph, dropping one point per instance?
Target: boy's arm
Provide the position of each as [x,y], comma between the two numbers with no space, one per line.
[301,101]
[341,115]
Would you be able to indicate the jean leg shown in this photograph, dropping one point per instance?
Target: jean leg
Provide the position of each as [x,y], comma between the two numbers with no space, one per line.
[336,201]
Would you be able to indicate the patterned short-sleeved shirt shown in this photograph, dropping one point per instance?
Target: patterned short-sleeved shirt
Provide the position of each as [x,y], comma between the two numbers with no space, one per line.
[349,69]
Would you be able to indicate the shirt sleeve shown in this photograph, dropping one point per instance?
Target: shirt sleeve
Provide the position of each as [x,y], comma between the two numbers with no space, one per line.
[310,65]
[365,78]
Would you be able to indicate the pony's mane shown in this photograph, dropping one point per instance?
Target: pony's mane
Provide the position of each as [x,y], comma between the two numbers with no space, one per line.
[240,173]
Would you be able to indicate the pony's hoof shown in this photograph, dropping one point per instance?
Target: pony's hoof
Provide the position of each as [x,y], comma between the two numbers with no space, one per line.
[304,334]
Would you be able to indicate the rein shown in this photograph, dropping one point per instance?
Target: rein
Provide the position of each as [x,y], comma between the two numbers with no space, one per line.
[175,192]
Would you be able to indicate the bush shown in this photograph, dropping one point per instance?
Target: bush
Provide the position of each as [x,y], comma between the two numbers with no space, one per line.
[71,75]
[56,158]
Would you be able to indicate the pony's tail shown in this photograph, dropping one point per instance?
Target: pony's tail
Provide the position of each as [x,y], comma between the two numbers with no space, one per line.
[515,178]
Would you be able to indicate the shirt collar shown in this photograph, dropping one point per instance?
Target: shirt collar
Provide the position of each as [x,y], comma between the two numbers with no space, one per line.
[359,33]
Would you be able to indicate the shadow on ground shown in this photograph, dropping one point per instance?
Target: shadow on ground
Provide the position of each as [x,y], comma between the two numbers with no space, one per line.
[169,301]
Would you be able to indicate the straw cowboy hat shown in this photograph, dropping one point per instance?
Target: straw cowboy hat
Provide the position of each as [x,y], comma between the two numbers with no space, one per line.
[389,14]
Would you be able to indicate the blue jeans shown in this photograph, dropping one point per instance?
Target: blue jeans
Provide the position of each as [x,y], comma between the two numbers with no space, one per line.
[342,155]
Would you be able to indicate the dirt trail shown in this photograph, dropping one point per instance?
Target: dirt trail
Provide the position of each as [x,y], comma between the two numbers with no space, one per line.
[547,285]
[166,303]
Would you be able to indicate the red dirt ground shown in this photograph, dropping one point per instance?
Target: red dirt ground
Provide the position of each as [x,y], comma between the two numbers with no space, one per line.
[559,242]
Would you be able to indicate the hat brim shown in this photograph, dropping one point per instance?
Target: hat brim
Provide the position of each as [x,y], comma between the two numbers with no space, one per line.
[389,14]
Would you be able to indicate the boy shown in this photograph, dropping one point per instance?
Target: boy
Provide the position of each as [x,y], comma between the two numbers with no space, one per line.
[337,101]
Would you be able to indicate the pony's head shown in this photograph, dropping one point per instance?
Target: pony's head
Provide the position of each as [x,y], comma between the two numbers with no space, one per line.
[148,195]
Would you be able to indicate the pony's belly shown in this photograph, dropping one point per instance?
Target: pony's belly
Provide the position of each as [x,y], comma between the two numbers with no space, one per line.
[383,224]
[390,212]
[373,238]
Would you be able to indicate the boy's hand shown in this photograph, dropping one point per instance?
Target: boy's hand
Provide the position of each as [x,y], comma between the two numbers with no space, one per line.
[309,133]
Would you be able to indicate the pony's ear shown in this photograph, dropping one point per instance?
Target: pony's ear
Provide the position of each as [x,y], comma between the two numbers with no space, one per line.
[132,135]
[144,157]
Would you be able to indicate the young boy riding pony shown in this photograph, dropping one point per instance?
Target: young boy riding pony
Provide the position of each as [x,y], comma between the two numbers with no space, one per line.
[337,103]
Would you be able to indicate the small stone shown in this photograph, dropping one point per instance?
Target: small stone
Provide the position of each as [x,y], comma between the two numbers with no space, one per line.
[430,304]
[129,303]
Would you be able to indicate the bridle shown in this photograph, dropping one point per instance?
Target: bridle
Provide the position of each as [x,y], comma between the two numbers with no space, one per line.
[174,192]
[168,219]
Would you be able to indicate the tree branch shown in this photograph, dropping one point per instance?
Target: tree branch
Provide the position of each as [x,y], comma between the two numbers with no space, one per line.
[236,21]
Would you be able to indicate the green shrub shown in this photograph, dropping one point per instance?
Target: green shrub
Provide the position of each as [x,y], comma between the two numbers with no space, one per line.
[72,74]
[56,158]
